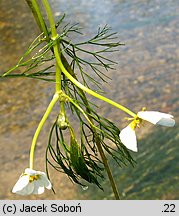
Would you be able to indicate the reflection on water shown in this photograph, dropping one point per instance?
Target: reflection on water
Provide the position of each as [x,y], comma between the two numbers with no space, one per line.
[146,74]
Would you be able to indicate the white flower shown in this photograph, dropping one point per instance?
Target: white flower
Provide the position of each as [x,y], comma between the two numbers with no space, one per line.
[32,182]
[157,118]
[128,136]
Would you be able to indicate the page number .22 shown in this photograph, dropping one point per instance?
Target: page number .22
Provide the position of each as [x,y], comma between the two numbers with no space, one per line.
[169,208]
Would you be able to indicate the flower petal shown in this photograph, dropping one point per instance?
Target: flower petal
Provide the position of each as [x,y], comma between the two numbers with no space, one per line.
[157,118]
[168,122]
[30,172]
[128,138]
[21,183]
[27,190]
[43,177]
[23,186]
[46,181]
[38,187]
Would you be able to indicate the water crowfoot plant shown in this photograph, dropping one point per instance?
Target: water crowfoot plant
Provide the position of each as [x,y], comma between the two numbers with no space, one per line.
[54,57]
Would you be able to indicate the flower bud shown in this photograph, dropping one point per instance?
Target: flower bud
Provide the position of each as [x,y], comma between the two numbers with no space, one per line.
[61,122]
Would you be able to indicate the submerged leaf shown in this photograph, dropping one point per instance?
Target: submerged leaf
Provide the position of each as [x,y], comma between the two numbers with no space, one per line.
[70,159]
[79,163]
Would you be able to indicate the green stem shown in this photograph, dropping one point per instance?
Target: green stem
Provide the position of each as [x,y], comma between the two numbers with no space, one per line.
[58,79]
[37,132]
[62,107]
[83,88]
[51,19]
[108,170]
[89,91]
[41,23]
[63,69]
[81,110]
[10,70]
[100,149]
[98,143]
[38,16]
[55,46]
[72,79]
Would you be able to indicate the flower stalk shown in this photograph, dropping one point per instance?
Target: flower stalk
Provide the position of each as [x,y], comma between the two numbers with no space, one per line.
[39,128]
[89,91]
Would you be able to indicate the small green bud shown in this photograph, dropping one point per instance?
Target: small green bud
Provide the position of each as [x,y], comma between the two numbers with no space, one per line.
[61,122]
[63,125]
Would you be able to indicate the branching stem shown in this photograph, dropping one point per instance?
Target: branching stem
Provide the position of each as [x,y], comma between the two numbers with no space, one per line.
[40,21]
[39,128]
[83,88]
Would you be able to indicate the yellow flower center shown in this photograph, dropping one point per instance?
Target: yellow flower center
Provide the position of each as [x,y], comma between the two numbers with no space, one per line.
[33,178]
[135,122]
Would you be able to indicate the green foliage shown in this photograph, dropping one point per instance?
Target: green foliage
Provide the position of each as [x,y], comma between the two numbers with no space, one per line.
[82,160]
[79,160]
[39,53]
[71,158]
